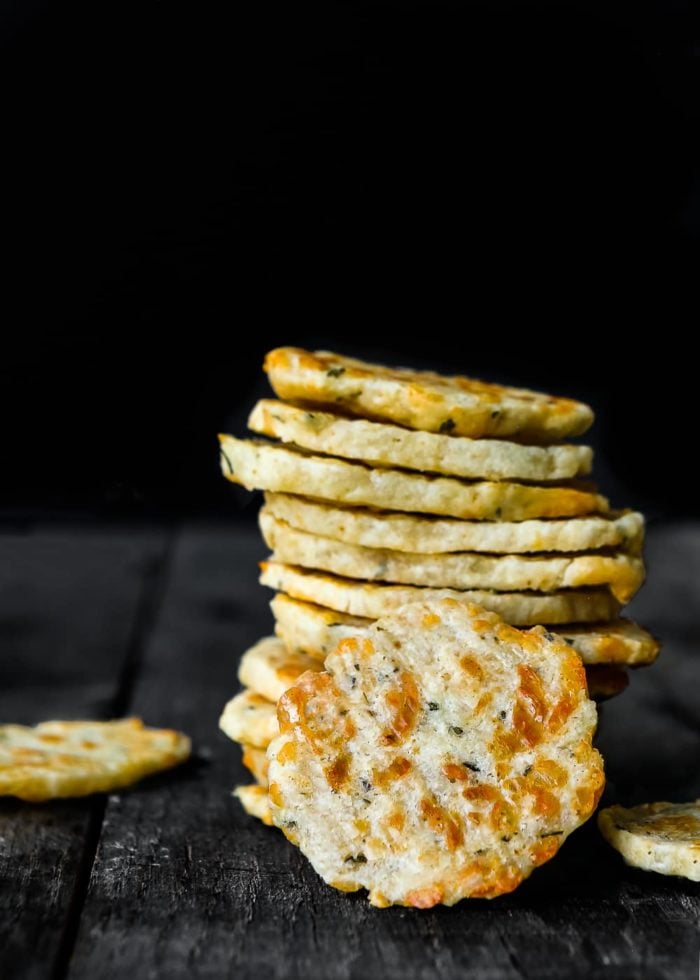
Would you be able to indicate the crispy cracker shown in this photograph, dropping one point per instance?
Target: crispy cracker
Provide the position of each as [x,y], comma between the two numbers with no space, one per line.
[456,405]
[429,535]
[269,668]
[372,600]
[270,466]
[380,444]
[662,837]
[76,758]
[314,630]
[254,801]
[623,574]
[249,718]
[255,760]
[442,756]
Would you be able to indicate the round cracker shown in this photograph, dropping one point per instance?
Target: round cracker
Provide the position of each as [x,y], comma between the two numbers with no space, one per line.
[249,718]
[662,837]
[269,466]
[255,761]
[620,642]
[603,682]
[311,629]
[433,535]
[380,444]
[445,755]
[623,574]
[372,600]
[314,630]
[423,400]
[269,668]
[58,759]
[254,801]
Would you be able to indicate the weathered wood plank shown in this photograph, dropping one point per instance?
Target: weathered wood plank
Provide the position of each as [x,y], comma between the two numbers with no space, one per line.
[184,885]
[71,607]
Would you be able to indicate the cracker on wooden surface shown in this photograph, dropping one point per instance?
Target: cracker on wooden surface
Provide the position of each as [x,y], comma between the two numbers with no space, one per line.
[444,755]
[76,758]
[662,837]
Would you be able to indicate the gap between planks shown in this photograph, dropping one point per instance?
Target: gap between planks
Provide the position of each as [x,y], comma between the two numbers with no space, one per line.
[147,610]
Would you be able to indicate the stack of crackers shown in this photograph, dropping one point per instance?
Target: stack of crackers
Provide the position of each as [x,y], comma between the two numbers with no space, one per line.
[386,487]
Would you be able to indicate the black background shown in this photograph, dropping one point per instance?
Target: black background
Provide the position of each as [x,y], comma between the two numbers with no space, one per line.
[508,190]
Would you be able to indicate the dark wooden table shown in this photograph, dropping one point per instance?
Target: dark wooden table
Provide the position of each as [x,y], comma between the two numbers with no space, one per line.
[172,880]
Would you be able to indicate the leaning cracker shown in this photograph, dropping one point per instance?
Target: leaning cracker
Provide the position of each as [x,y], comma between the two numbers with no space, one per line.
[623,574]
[380,444]
[75,758]
[422,400]
[663,837]
[269,668]
[372,600]
[445,755]
[249,718]
[603,682]
[428,535]
[270,466]
[255,760]
[315,630]
[254,801]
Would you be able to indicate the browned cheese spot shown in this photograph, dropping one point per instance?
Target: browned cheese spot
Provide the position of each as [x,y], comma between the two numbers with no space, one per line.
[396,820]
[337,773]
[442,823]
[311,708]
[395,770]
[403,703]
[498,813]
[424,898]
[530,708]
[455,772]
[471,666]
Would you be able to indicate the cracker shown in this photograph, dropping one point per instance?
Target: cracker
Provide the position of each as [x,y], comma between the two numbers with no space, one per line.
[76,758]
[371,600]
[443,756]
[620,642]
[249,718]
[380,444]
[430,535]
[255,760]
[603,682]
[663,837]
[423,400]
[311,629]
[254,801]
[623,574]
[269,667]
[270,466]
[315,630]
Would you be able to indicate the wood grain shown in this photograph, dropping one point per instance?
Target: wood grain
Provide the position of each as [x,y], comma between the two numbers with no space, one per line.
[184,885]
[71,609]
